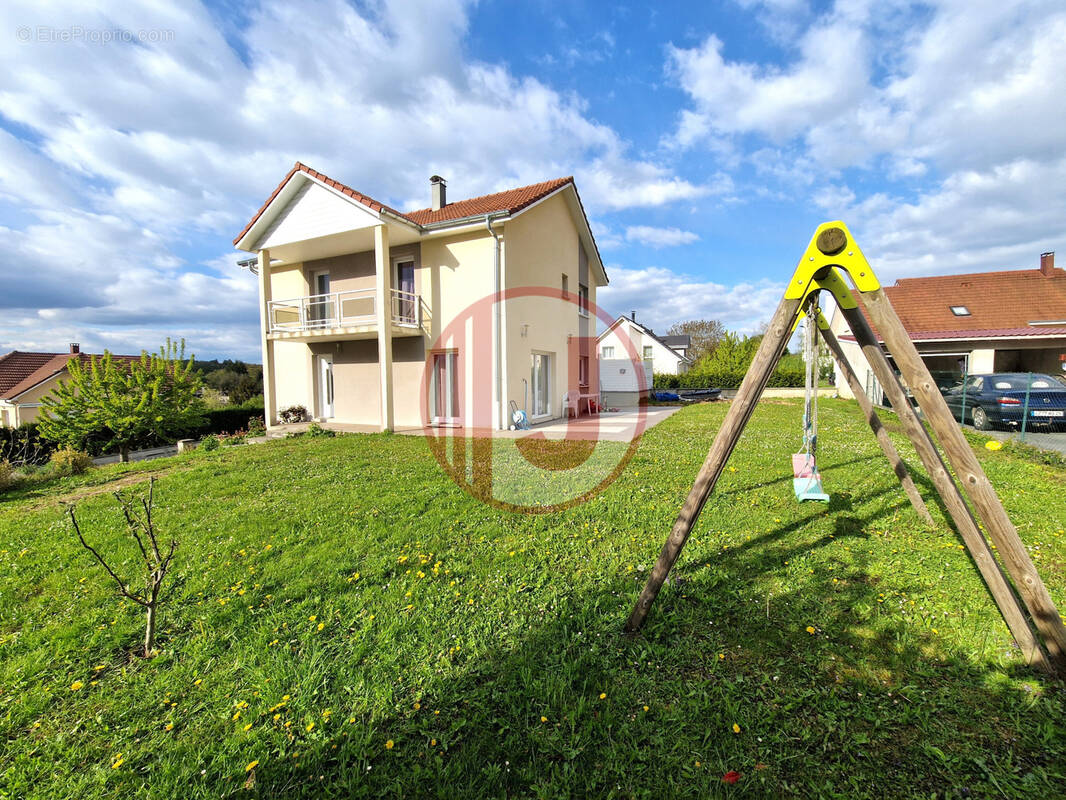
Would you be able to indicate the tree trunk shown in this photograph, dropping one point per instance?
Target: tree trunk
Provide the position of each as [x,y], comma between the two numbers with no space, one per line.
[149,633]
[124,454]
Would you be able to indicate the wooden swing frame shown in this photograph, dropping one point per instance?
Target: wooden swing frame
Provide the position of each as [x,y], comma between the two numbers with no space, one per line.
[1016,586]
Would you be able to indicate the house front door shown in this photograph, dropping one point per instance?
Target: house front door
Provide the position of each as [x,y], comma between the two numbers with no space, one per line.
[325,386]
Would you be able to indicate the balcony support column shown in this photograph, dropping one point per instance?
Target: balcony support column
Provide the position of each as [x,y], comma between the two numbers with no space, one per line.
[383,307]
[269,401]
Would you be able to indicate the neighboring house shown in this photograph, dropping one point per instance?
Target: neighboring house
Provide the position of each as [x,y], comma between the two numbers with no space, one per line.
[665,354]
[624,384]
[370,315]
[1008,321]
[27,378]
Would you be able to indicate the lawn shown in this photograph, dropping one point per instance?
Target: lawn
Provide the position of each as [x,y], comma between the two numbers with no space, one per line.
[349,621]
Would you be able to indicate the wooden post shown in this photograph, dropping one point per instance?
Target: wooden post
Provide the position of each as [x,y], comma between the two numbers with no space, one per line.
[972,477]
[766,358]
[875,425]
[1004,597]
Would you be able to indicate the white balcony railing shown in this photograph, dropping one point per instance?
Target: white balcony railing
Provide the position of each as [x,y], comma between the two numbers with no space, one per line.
[341,309]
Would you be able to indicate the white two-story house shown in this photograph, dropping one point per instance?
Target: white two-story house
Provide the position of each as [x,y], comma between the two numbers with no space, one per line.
[441,316]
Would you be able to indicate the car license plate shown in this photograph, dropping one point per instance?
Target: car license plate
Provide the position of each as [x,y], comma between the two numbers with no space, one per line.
[1047,413]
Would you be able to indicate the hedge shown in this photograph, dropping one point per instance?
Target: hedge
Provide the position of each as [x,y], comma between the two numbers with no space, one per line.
[725,380]
[23,445]
[227,420]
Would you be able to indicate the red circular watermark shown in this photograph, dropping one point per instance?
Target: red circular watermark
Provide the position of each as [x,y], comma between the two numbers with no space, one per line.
[478,440]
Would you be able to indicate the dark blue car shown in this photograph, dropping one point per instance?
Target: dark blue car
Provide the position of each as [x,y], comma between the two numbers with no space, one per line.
[998,400]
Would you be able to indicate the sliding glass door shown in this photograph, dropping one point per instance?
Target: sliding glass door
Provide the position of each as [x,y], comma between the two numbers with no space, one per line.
[540,382]
[444,400]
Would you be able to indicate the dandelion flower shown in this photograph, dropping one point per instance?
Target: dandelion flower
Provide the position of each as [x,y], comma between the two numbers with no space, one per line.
[390,744]
[543,719]
[252,765]
[76,685]
[418,706]
[248,727]
[432,742]
[992,444]
[603,695]
[117,761]
[169,726]
[736,728]
[310,727]
[647,708]
[321,625]
[810,630]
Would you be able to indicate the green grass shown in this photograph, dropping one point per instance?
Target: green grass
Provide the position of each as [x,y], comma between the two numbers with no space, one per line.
[910,685]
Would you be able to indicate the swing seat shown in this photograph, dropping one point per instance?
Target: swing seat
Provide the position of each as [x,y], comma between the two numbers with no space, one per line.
[803,465]
[809,488]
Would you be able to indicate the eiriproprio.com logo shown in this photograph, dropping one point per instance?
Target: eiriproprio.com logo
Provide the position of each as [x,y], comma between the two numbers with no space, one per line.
[550,369]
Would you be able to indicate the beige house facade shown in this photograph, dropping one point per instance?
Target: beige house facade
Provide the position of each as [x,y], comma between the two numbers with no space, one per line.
[438,317]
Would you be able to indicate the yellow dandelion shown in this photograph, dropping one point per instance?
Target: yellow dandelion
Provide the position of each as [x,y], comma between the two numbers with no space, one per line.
[543,719]
[310,727]
[76,685]
[197,682]
[117,761]
[99,667]
[603,695]
[390,744]
[810,630]
[169,726]
[647,708]
[418,706]
[992,444]
[432,742]
[721,656]
[252,765]
[313,617]
[736,728]
[321,625]
[248,727]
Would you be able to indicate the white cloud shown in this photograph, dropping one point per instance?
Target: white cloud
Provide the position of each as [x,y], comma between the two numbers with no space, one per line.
[140,152]
[659,237]
[662,297]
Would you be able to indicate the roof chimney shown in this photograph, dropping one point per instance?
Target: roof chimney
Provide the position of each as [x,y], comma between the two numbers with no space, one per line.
[75,347]
[633,315]
[439,192]
[1047,263]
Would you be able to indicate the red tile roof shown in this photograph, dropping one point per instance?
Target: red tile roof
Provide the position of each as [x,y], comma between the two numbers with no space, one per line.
[367,201]
[510,201]
[1001,304]
[21,371]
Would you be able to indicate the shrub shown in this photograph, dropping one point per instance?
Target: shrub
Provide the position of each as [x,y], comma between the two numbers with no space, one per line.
[314,429]
[23,445]
[256,427]
[69,461]
[293,414]
[7,474]
[235,439]
[209,443]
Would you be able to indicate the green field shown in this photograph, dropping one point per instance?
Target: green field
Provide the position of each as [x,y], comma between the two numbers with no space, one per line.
[348,620]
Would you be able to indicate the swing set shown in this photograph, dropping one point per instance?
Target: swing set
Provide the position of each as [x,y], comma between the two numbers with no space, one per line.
[1015,586]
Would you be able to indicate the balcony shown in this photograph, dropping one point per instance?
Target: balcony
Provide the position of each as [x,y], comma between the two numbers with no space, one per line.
[350,314]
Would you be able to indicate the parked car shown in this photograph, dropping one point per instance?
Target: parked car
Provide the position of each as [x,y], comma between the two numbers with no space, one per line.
[998,400]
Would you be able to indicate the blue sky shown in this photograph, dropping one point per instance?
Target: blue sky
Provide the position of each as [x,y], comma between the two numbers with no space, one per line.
[707,139]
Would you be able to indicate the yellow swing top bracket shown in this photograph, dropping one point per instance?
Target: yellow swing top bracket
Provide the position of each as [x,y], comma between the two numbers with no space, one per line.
[832,247]
[823,323]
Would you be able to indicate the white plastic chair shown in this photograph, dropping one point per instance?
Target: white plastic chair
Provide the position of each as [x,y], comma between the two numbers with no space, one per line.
[570,400]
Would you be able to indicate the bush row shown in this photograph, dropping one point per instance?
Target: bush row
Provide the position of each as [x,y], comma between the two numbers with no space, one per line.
[23,445]
[226,420]
[725,380]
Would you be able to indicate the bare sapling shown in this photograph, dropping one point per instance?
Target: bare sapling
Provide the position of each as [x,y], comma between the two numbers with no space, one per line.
[142,528]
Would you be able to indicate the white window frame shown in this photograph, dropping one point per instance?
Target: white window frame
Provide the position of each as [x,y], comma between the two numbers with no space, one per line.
[582,300]
[548,360]
[607,351]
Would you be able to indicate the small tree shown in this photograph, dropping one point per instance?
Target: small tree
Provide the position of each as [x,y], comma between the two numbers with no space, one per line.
[119,404]
[704,336]
[155,563]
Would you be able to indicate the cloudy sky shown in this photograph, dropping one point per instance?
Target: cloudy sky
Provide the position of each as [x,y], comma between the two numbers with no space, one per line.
[707,139]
